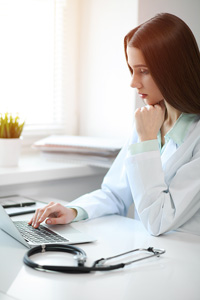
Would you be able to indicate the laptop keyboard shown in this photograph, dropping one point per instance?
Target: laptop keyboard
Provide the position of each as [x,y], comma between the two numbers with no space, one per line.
[41,235]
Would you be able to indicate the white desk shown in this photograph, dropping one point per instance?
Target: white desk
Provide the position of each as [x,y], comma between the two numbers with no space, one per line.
[175,275]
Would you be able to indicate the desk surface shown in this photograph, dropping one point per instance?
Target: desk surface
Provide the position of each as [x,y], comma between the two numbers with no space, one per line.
[174,275]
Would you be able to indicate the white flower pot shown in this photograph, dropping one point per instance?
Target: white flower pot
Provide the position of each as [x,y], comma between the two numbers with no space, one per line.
[10,152]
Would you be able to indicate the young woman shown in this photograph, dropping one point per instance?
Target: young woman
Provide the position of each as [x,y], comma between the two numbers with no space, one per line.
[159,167]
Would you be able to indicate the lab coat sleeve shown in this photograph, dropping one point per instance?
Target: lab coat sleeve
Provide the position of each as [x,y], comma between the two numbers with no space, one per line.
[114,197]
[81,213]
[165,206]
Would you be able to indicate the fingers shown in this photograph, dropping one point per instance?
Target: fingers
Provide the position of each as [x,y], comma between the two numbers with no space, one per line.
[148,121]
[53,213]
[40,215]
[52,209]
[146,110]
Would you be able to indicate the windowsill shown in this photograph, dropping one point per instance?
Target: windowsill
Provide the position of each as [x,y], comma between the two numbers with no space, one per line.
[35,168]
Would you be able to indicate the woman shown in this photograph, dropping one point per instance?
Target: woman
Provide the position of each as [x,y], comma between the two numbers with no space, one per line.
[159,167]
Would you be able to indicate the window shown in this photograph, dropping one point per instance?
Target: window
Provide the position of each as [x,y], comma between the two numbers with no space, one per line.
[31,63]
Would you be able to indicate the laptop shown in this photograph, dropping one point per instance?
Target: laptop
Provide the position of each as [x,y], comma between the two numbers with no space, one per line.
[45,234]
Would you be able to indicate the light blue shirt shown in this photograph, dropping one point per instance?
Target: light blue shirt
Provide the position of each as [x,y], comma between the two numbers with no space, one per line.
[163,182]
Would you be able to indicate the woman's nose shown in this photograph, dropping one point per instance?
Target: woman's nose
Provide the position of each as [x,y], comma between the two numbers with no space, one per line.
[135,82]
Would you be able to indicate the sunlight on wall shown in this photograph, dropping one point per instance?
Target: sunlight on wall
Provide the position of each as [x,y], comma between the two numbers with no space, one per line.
[106,99]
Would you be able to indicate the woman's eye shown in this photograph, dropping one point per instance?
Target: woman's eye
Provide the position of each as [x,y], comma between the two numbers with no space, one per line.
[144,71]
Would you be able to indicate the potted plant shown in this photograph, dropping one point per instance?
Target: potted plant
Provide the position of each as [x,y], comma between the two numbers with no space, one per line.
[10,139]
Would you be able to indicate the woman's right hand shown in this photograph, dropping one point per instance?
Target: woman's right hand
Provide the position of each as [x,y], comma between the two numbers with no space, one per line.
[53,213]
[148,121]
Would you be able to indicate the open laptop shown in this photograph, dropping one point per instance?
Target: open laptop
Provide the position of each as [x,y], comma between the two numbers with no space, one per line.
[30,237]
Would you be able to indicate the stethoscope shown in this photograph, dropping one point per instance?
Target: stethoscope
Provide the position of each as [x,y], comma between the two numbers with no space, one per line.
[81,257]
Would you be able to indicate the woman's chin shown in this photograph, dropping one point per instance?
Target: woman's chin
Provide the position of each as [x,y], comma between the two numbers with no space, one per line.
[151,102]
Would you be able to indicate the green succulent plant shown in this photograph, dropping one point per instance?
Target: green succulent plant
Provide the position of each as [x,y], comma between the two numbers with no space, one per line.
[10,127]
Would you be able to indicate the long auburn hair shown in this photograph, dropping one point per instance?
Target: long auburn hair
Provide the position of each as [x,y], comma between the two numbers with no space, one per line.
[172,55]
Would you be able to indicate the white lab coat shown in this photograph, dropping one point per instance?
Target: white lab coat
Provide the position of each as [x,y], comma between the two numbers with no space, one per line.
[164,188]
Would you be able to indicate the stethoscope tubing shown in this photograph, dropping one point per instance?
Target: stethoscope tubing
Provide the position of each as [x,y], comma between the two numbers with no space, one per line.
[81,256]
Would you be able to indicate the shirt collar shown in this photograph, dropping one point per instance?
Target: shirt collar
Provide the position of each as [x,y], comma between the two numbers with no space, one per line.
[180,129]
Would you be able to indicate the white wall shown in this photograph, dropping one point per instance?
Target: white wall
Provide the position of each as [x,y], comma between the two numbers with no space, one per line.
[105,98]
[68,26]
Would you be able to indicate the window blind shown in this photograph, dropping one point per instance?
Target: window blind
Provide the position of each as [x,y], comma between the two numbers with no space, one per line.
[32,39]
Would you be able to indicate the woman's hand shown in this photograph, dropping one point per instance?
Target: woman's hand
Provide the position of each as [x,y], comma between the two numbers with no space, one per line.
[54,213]
[149,120]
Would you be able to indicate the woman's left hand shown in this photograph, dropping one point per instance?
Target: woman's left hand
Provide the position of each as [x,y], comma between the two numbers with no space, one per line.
[149,120]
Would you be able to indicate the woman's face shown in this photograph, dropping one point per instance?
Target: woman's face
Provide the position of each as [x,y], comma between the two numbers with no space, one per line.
[141,77]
